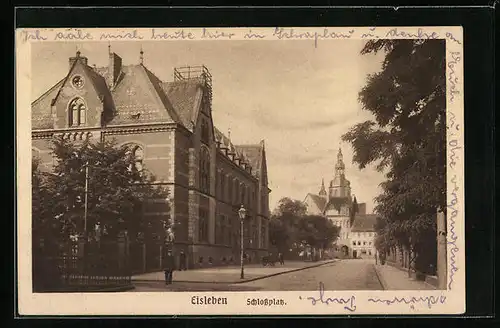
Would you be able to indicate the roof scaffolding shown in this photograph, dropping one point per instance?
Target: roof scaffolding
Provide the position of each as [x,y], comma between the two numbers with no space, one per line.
[199,73]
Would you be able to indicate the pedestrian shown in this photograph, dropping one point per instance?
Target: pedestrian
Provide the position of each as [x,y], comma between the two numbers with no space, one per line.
[376,260]
[281,259]
[182,261]
[169,267]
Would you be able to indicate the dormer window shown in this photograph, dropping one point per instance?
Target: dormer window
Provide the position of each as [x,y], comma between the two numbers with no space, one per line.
[77,112]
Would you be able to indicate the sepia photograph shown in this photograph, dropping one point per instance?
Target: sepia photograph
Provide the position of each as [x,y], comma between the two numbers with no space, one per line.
[299,163]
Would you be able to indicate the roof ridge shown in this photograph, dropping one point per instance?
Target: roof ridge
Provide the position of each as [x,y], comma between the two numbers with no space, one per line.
[153,79]
[34,102]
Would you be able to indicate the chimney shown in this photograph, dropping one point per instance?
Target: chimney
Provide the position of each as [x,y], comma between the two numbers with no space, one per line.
[78,56]
[114,68]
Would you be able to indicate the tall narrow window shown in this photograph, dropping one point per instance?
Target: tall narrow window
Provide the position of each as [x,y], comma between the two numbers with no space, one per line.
[237,191]
[137,154]
[204,132]
[229,240]
[204,171]
[222,187]
[78,112]
[139,158]
[203,225]
[230,189]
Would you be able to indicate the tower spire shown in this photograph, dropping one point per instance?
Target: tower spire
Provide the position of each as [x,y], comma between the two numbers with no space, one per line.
[322,191]
[339,166]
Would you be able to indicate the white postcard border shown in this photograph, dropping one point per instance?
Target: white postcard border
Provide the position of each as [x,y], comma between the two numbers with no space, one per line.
[450,301]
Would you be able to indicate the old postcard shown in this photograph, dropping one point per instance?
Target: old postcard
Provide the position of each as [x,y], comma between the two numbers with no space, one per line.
[240,171]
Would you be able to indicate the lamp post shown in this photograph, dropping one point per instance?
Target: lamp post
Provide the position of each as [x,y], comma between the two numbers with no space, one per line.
[242,213]
[86,200]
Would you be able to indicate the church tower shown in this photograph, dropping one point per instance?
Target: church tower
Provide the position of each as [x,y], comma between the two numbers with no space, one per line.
[322,191]
[340,186]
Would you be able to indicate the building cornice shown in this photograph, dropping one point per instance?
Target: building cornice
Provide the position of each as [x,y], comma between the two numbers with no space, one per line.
[112,129]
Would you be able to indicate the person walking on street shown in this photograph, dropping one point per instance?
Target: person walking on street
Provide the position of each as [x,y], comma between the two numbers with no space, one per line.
[182,260]
[169,267]
[281,259]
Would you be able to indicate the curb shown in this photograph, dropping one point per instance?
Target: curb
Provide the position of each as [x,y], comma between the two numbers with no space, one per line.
[405,271]
[381,280]
[244,280]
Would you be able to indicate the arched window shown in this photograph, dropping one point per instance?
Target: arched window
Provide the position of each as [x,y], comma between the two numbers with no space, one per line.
[204,170]
[138,154]
[204,132]
[77,112]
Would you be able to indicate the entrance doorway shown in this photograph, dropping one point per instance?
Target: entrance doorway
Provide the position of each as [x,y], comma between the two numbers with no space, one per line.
[354,254]
[345,250]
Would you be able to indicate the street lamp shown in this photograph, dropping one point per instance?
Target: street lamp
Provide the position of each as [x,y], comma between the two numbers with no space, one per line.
[242,213]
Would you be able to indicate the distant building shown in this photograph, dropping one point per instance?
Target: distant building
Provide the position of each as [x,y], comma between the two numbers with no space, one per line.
[362,235]
[169,128]
[337,205]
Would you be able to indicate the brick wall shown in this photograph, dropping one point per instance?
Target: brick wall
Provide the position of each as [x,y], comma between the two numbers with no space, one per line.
[158,151]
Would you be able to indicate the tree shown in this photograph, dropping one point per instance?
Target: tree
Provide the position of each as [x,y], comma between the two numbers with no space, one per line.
[278,234]
[320,231]
[407,140]
[116,197]
[290,226]
[44,228]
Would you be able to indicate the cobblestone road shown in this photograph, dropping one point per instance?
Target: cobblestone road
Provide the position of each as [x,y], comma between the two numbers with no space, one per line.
[342,275]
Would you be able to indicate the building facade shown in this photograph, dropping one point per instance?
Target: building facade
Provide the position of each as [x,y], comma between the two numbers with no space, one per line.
[169,127]
[362,236]
[341,207]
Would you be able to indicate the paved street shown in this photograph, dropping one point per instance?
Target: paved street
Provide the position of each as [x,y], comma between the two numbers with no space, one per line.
[340,275]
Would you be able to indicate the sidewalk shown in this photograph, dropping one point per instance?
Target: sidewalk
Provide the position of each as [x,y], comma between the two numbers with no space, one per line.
[230,274]
[393,278]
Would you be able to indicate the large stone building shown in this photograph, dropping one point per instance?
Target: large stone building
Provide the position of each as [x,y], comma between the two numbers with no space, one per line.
[169,127]
[337,205]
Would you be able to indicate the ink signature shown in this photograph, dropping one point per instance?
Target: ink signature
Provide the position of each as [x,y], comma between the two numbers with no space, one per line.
[453,235]
[349,303]
[429,300]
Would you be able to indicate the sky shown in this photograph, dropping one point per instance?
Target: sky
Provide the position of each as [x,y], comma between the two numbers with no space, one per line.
[300,99]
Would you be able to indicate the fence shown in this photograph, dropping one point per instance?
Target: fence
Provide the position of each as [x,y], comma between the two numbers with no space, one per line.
[81,267]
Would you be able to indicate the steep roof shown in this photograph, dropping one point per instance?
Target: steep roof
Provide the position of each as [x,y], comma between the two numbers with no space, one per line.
[139,97]
[185,97]
[41,112]
[318,200]
[334,203]
[364,223]
[41,107]
[253,155]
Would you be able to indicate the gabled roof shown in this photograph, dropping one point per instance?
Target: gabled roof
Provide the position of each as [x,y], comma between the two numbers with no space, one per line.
[364,223]
[185,97]
[41,112]
[139,97]
[98,81]
[334,203]
[318,200]
[41,107]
